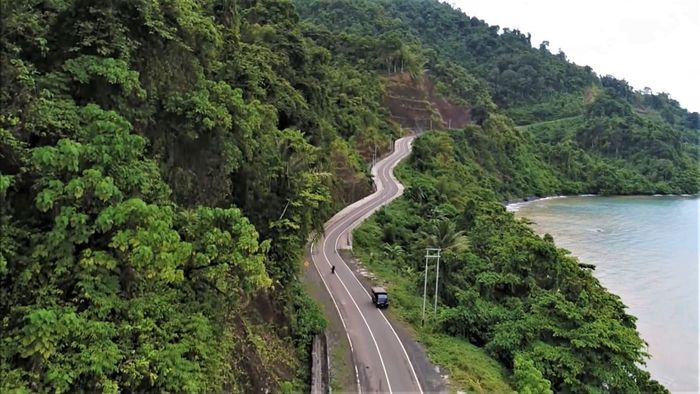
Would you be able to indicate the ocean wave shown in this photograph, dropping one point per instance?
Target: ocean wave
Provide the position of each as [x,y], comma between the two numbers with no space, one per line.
[515,206]
[595,230]
[550,198]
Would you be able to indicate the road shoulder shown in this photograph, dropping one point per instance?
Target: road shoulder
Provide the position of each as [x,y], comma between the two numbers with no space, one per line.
[340,360]
[431,380]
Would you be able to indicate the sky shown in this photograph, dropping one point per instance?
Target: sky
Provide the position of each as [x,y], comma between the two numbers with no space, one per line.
[648,43]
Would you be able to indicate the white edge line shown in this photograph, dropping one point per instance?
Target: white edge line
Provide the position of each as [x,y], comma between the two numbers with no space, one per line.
[338,223]
[339,215]
[376,345]
[352,350]
[399,193]
[342,212]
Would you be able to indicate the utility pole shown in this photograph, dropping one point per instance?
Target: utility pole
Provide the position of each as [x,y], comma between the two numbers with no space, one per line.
[430,253]
[425,286]
[374,158]
[437,279]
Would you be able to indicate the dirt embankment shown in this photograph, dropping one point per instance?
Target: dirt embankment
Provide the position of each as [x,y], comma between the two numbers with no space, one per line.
[415,104]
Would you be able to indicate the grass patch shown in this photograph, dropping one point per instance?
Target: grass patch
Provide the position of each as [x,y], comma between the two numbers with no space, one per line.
[470,368]
[342,375]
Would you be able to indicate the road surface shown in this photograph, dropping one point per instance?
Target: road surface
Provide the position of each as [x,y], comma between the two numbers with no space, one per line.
[381,361]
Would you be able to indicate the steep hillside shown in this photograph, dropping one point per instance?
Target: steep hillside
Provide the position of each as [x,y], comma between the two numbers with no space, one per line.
[161,166]
[627,142]
[415,104]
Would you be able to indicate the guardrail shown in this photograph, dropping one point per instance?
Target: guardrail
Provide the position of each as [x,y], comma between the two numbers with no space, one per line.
[320,383]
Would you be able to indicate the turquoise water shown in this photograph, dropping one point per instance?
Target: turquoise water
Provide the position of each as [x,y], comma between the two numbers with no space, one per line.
[645,250]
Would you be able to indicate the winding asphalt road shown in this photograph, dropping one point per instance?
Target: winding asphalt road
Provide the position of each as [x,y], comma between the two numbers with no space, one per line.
[381,361]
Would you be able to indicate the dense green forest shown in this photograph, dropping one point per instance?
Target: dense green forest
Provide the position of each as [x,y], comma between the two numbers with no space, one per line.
[594,134]
[526,302]
[163,163]
[541,126]
[161,166]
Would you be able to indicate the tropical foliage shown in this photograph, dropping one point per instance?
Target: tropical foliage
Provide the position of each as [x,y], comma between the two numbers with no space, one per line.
[503,288]
[162,165]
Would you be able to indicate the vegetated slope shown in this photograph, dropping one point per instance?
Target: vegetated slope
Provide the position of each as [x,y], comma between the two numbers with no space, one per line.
[628,142]
[514,71]
[526,302]
[613,149]
[161,166]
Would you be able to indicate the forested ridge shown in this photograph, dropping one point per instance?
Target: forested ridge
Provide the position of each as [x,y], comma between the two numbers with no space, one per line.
[541,126]
[596,134]
[161,166]
[163,163]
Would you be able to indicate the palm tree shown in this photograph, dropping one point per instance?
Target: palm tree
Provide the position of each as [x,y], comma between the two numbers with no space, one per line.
[444,235]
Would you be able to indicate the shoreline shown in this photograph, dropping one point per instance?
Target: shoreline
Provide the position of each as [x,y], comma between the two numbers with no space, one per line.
[514,204]
[550,197]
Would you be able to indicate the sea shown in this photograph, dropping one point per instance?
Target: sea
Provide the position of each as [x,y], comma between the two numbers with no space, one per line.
[645,249]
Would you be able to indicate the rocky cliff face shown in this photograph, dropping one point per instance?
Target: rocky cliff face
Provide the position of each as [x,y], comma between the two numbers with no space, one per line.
[415,104]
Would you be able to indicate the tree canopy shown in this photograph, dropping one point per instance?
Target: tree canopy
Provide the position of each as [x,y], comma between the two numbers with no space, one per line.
[163,163]
[526,302]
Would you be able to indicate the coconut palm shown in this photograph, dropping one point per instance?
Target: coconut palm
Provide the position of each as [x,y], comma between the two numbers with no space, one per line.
[444,235]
